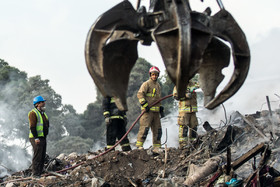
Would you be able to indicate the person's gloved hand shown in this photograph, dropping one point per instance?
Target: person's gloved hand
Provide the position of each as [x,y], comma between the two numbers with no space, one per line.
[179,99]
[161,111]
[146,106]
[192,89]
[188,95]
[176,97]
[108,120]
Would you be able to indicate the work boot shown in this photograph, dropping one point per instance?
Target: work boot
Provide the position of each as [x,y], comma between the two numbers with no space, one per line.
[157,150]
[106,148]
[126,148]
[183,144]
[192,141]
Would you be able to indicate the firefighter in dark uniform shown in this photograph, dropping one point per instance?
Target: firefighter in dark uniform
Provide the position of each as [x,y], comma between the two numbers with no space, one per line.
[116,122]
[39,129]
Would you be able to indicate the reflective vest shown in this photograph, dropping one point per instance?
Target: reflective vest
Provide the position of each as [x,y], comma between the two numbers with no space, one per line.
[154,108]
[183,107]
[39,125]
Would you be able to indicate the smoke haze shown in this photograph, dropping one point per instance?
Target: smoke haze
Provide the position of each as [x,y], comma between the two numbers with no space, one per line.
[13,156]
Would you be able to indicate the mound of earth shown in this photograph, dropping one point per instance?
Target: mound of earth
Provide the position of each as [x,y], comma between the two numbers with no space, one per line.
[170,166]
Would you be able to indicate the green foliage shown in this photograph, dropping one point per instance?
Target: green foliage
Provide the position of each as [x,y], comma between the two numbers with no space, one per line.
[166,89]
[93,121]
[138,75]
[71,121]
[12,84]
[69,144]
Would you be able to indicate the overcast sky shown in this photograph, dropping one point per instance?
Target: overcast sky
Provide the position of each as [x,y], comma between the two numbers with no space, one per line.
[47,38]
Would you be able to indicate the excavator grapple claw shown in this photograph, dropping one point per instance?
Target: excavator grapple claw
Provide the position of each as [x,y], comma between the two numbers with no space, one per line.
[189,42]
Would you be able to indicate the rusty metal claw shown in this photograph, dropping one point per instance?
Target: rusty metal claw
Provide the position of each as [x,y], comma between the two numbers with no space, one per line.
[224,26]
[111,53]
[173,39]
[189,42]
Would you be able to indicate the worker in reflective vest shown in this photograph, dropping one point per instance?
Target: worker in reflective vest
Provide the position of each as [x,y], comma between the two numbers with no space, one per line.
[39,128]
[187,119]
[150,92]
[116,122]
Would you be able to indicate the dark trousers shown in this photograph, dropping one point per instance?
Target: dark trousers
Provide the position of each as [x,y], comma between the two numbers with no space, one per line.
[115,130]
[39,154]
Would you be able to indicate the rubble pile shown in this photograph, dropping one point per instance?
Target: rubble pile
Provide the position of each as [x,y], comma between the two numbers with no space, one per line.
[245,149]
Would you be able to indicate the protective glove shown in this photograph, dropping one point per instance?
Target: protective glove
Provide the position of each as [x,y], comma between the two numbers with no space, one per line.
[146,106]
[176,97]
[179,99]
[188,95]
[108,120]
[161,111]
[192,89]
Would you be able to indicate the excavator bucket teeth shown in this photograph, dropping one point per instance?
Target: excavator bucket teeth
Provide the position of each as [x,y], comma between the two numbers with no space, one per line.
[119,58]
[181,47]
[225,27]
[215,58]
[189,42]
[111,52]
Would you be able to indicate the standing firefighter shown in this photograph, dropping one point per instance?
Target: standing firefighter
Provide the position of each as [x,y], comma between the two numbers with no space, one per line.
[150,92]
[39,129]
[187,119]
[115,124]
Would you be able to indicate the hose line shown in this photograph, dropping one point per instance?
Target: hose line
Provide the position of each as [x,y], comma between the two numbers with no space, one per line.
[120,140]
[131,127]
[103,153]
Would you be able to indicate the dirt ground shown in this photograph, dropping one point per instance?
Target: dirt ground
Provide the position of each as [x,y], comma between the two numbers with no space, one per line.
[171,167]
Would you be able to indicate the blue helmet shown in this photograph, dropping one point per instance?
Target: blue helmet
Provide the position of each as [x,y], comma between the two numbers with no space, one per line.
[38,99]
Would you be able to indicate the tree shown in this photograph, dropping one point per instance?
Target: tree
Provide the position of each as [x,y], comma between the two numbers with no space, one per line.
[92,120]
[139,74]
[166,89]
[12,82]
[16,100]
[71,121]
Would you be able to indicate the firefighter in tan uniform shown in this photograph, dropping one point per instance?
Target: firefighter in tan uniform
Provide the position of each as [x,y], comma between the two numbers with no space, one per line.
[187,119]
[150,92]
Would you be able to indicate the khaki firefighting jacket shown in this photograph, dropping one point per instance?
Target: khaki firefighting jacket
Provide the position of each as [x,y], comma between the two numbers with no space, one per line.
[150,92]
[187,104]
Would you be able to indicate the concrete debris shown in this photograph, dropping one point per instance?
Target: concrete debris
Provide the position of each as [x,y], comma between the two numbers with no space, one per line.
[241,152]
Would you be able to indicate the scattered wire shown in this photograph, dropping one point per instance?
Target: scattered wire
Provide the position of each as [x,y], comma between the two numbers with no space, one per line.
[165,136]
[277,96]
[265,103]
[225,112]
